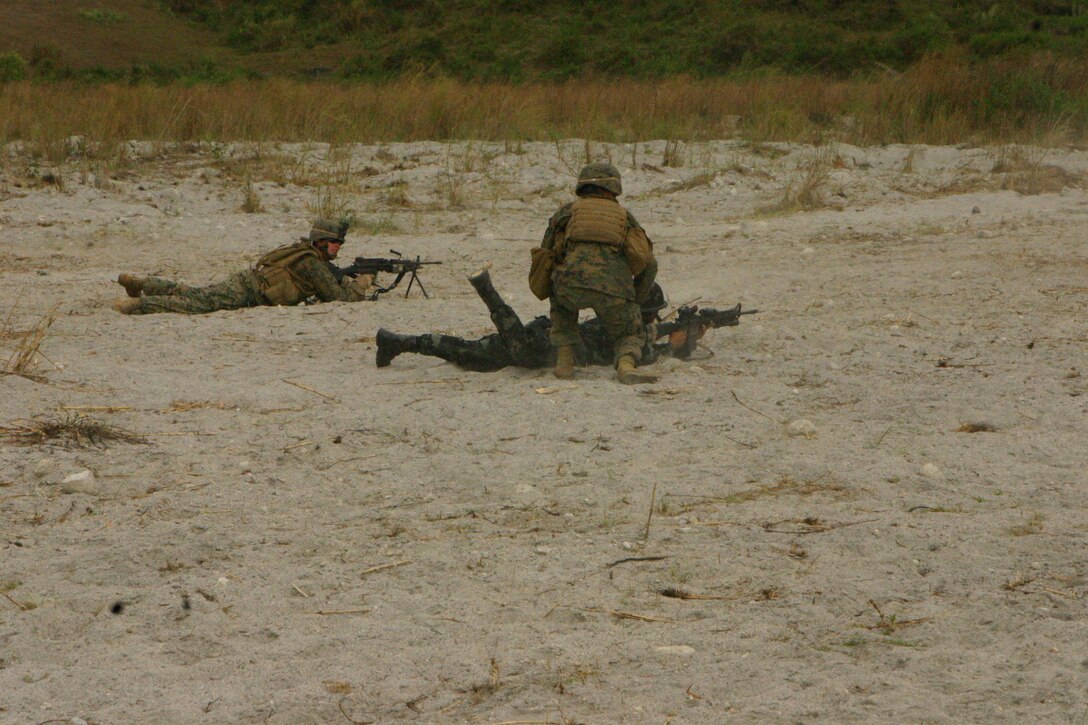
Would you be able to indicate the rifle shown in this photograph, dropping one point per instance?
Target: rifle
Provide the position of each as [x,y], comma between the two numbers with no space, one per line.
[692,319]
[398,266]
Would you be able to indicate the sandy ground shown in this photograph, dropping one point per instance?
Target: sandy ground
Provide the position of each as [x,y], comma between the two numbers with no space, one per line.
[305,538]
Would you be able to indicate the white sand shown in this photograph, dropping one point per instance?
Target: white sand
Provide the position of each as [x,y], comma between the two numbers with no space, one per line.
[887,322]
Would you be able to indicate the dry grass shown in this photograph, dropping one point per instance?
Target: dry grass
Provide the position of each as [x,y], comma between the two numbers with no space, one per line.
[74,429]
[805,191]
[937,101]
[24,359]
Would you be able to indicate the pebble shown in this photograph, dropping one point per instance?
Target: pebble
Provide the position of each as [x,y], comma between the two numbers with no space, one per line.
[80,482]
[957,274]
[976,210]
[930,470]
[542,550]
[675,650]
[802,427]
[808,253]
[985,234]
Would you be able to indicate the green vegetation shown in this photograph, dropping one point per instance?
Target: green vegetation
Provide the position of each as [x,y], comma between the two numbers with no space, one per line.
[104,17]
[12,67]
[519,40]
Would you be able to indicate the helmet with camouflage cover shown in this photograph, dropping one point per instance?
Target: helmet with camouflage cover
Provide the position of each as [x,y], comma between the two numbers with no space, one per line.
[331,230]
[601,174]
[654,303]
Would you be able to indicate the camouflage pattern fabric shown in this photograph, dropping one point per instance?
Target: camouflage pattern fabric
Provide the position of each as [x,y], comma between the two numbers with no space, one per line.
[596,276]
[311,273]
[240,290]
[533,346]
[620,319]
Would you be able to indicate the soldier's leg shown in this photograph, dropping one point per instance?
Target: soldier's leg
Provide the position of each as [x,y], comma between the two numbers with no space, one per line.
[159,286]
[525,348]
[227,295]
[622,321]
[483,356]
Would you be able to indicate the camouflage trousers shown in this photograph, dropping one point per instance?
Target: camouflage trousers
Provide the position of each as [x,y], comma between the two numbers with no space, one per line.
[525,346]
[164,295]
[620,319]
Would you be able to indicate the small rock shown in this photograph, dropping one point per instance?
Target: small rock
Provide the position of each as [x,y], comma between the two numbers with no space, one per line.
[80,482]
[976,210]
[802,427]
[542,550]
[985,234]
[675,650]
[77,721]
[808,253]
[930,470]
[957,274]
[42,468]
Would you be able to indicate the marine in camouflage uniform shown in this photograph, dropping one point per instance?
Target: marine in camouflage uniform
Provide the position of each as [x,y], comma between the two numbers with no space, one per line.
[596,243]
[285,276]
[518,344]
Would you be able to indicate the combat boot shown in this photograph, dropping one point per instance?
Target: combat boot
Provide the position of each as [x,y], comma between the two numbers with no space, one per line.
[127,305]
[564,362]
[390,344]
[134,286]
[482,282]
[629,374]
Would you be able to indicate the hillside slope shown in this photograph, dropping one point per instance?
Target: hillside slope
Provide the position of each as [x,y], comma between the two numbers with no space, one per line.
[108,34]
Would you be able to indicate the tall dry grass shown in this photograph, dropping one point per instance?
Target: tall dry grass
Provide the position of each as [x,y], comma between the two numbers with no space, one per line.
[941,100]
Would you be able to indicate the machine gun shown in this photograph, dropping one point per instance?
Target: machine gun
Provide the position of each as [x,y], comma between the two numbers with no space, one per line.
[694,321]
[398,266]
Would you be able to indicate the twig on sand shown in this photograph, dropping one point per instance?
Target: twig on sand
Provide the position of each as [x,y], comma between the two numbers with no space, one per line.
[743,405]
[674,593]
[811,524]
[309,389]
[347,717]
[650,516]
[300,444]
[890,624]
[632,615]
[21,605]
[424,382]
[95,408]
[383,567]
[347,460]
[329,612]
[635,558]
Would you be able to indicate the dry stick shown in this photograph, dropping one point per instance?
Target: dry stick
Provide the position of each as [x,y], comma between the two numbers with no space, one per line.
[513,722]
[816,528]
[423,382]
[20,605]
[298,445]
[95,408]
[346,460]
[631,615]
[636,558]
[327,612]
[383,567]
[308,388]
[340,705]
[653,497]
[734,394]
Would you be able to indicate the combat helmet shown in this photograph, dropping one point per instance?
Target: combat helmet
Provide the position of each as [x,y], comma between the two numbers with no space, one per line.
[332,230]
[654,303]
[602,174]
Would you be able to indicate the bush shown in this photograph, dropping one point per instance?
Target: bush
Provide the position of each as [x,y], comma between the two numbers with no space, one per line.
[13,67]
